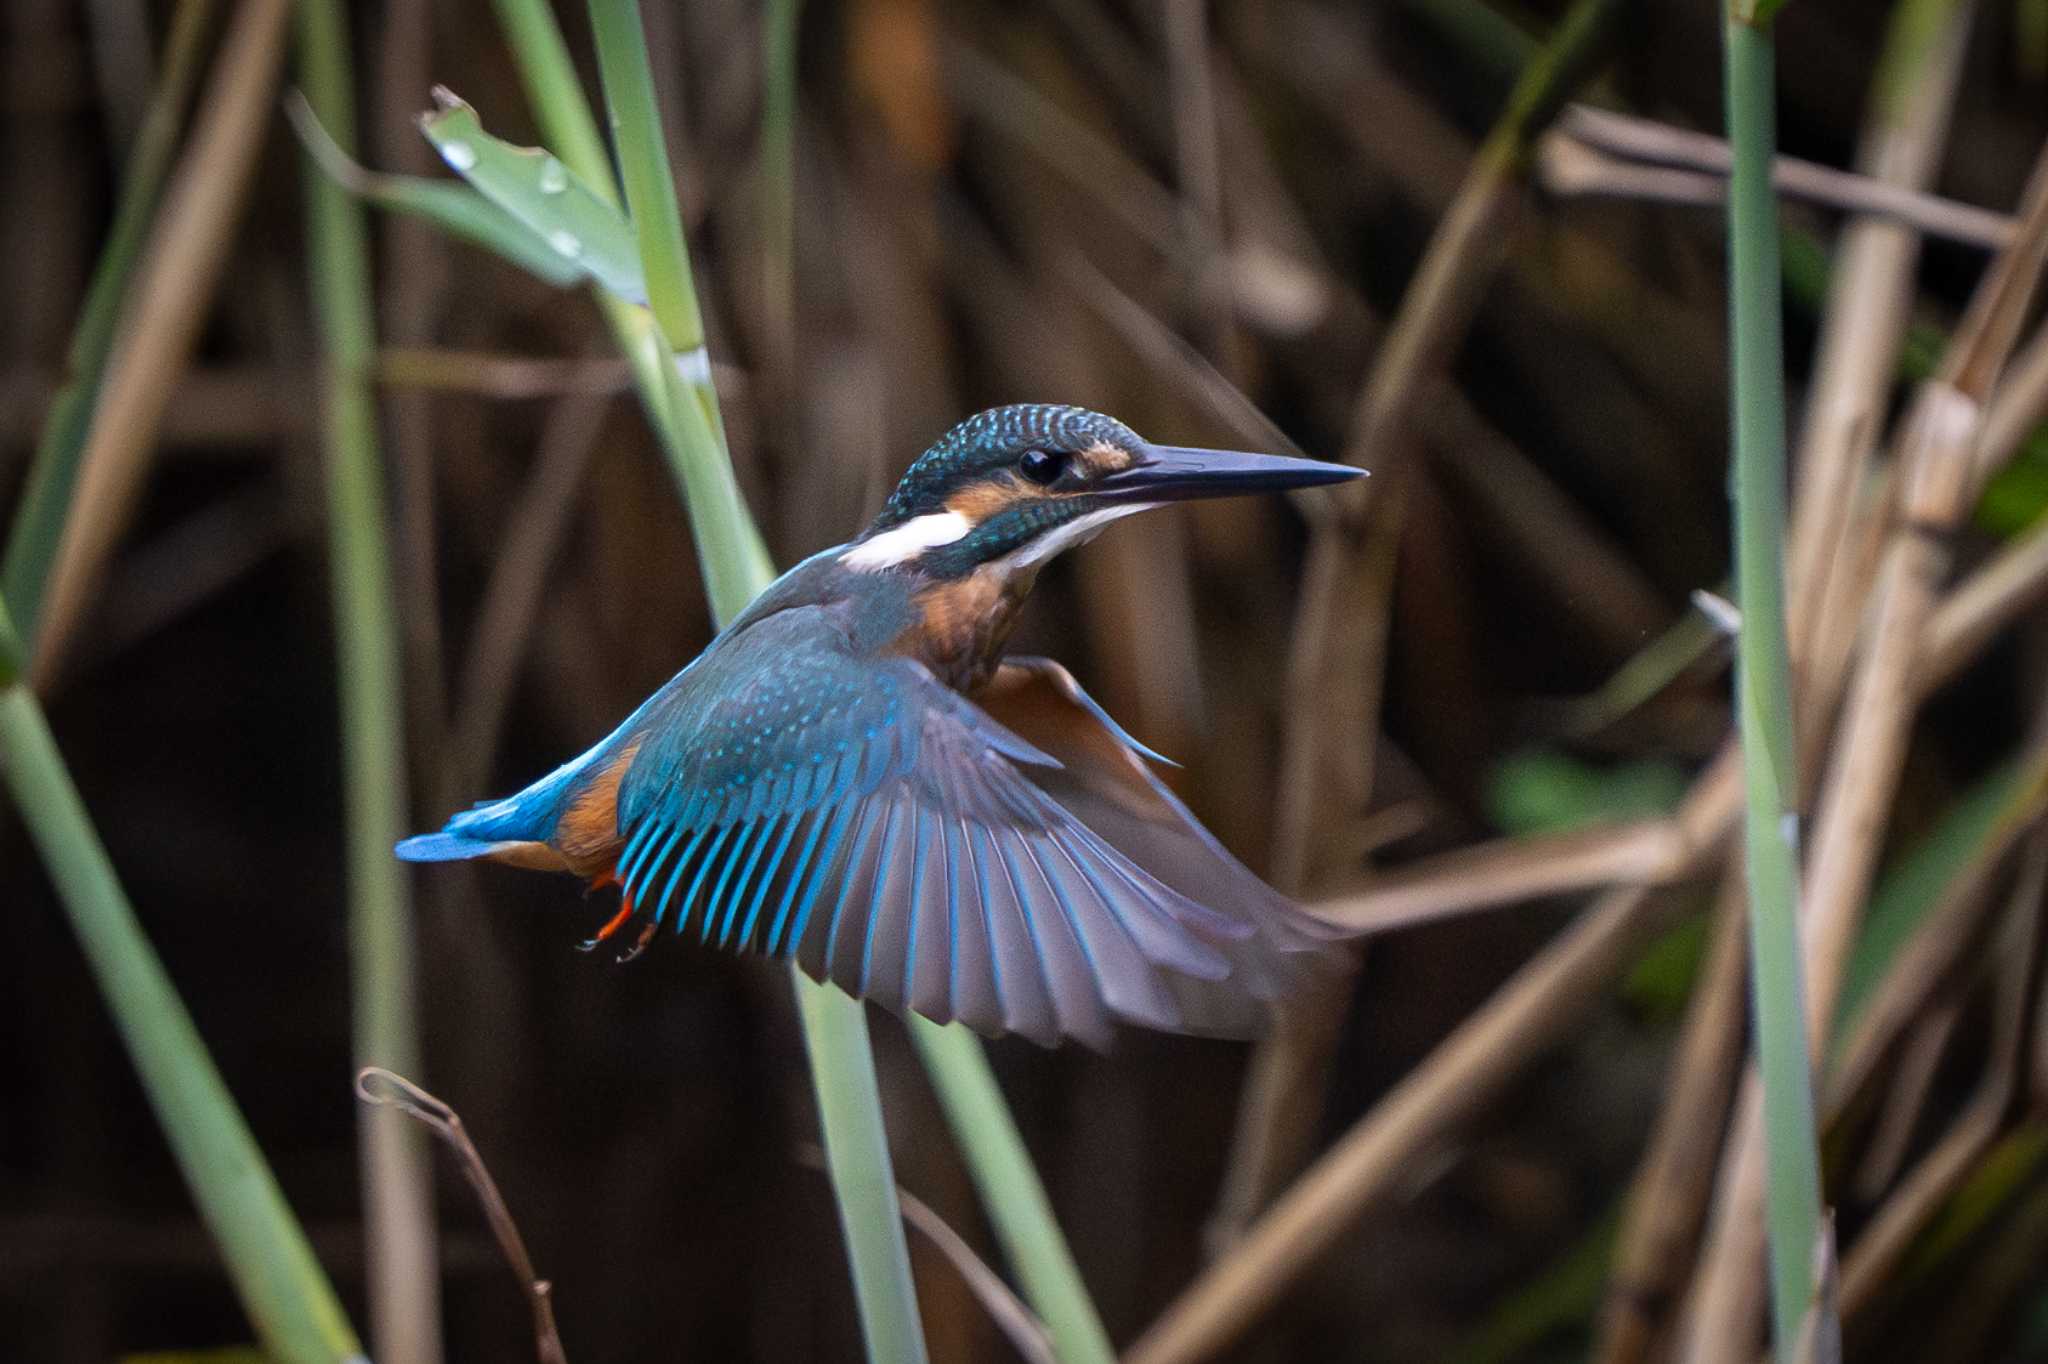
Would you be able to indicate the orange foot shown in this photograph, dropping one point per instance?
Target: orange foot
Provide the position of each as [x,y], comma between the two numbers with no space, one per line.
[613,925]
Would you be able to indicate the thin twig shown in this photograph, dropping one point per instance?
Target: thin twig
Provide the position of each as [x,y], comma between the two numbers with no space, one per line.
[512,597]
[1510,871]
[1668,1200]
[387,1089]
[1538,1005]
[1597,152]
[182,263]
[1018,1323]
[493,375]
[1338,656]
[2017,965]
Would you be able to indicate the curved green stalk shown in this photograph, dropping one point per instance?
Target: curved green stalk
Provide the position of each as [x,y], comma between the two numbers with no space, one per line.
[736,568]
[1763,683]
[289,1301]
[1011,1191]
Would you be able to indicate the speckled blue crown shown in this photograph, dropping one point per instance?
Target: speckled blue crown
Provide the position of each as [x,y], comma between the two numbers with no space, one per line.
[996,437]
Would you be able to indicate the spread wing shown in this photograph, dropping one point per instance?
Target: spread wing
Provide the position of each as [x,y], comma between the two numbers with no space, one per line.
[1105,780]
[895,839]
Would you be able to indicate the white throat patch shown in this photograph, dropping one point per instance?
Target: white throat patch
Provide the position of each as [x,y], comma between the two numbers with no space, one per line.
[1078,531]
[900,544]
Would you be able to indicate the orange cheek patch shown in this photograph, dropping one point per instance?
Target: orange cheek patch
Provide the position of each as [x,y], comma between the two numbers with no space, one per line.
[1104,458]
[980,501]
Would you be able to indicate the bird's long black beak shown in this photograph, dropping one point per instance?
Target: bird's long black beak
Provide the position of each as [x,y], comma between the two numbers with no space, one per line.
[1173,473]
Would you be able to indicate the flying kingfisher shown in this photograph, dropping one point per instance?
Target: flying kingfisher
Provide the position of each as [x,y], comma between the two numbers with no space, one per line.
[854,776]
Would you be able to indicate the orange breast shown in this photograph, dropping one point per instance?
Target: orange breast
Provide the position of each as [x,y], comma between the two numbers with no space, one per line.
[962,626]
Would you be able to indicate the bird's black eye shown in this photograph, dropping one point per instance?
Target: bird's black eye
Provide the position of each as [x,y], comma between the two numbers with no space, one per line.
[1041,466]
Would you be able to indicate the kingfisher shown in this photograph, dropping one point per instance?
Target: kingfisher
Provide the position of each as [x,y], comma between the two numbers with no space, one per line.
[854,776]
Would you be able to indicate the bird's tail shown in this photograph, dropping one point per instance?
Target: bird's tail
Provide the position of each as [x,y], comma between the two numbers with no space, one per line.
[520,829]
[443,847]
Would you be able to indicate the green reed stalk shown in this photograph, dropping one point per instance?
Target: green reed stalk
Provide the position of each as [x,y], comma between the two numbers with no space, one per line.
[1011,1190]
[1763,677]
[282,1287]
[397,1175]
[736,568]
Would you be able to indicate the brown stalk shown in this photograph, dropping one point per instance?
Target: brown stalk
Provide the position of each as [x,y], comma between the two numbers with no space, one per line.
[1576,279]
[1981,605]
[1869,304]
[1259,1269]
[1537,1006]
[1598,152]
[1879,1248]
[491,375]
[1924,964]
[1197,164]
[2019,404]
[1667,1202]
[1018,1323]
[1901,1107]
[511,601]
[1510,871]
[1958,629]
[180,266]
[387,1089]
[1332,625]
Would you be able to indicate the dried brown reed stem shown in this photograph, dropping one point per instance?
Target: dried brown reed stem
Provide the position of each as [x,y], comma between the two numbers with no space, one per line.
[1597,152]
[1913,1071]
[1930,957]
[1511,871]
[1538,1005]
[1337,678]
[2020,403]
[1338,633]
[1869,303]
[2017,967]
[489,374]
[1667,1202]
[1982,604]
[1937,474]
[1243,1283]
[1197,155]
[1958,629]
[1012,1316]
[519,577]
[387,1089]
[174,285]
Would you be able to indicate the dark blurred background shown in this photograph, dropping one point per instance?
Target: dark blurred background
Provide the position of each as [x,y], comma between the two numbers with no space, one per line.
[993,203]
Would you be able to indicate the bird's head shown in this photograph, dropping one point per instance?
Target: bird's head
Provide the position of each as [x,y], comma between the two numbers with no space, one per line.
[1013,486]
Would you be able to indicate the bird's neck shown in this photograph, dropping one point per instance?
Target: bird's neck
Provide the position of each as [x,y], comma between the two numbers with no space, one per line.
[958,625]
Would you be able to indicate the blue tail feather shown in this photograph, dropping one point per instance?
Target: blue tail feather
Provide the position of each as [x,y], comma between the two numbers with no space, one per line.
[444,847]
